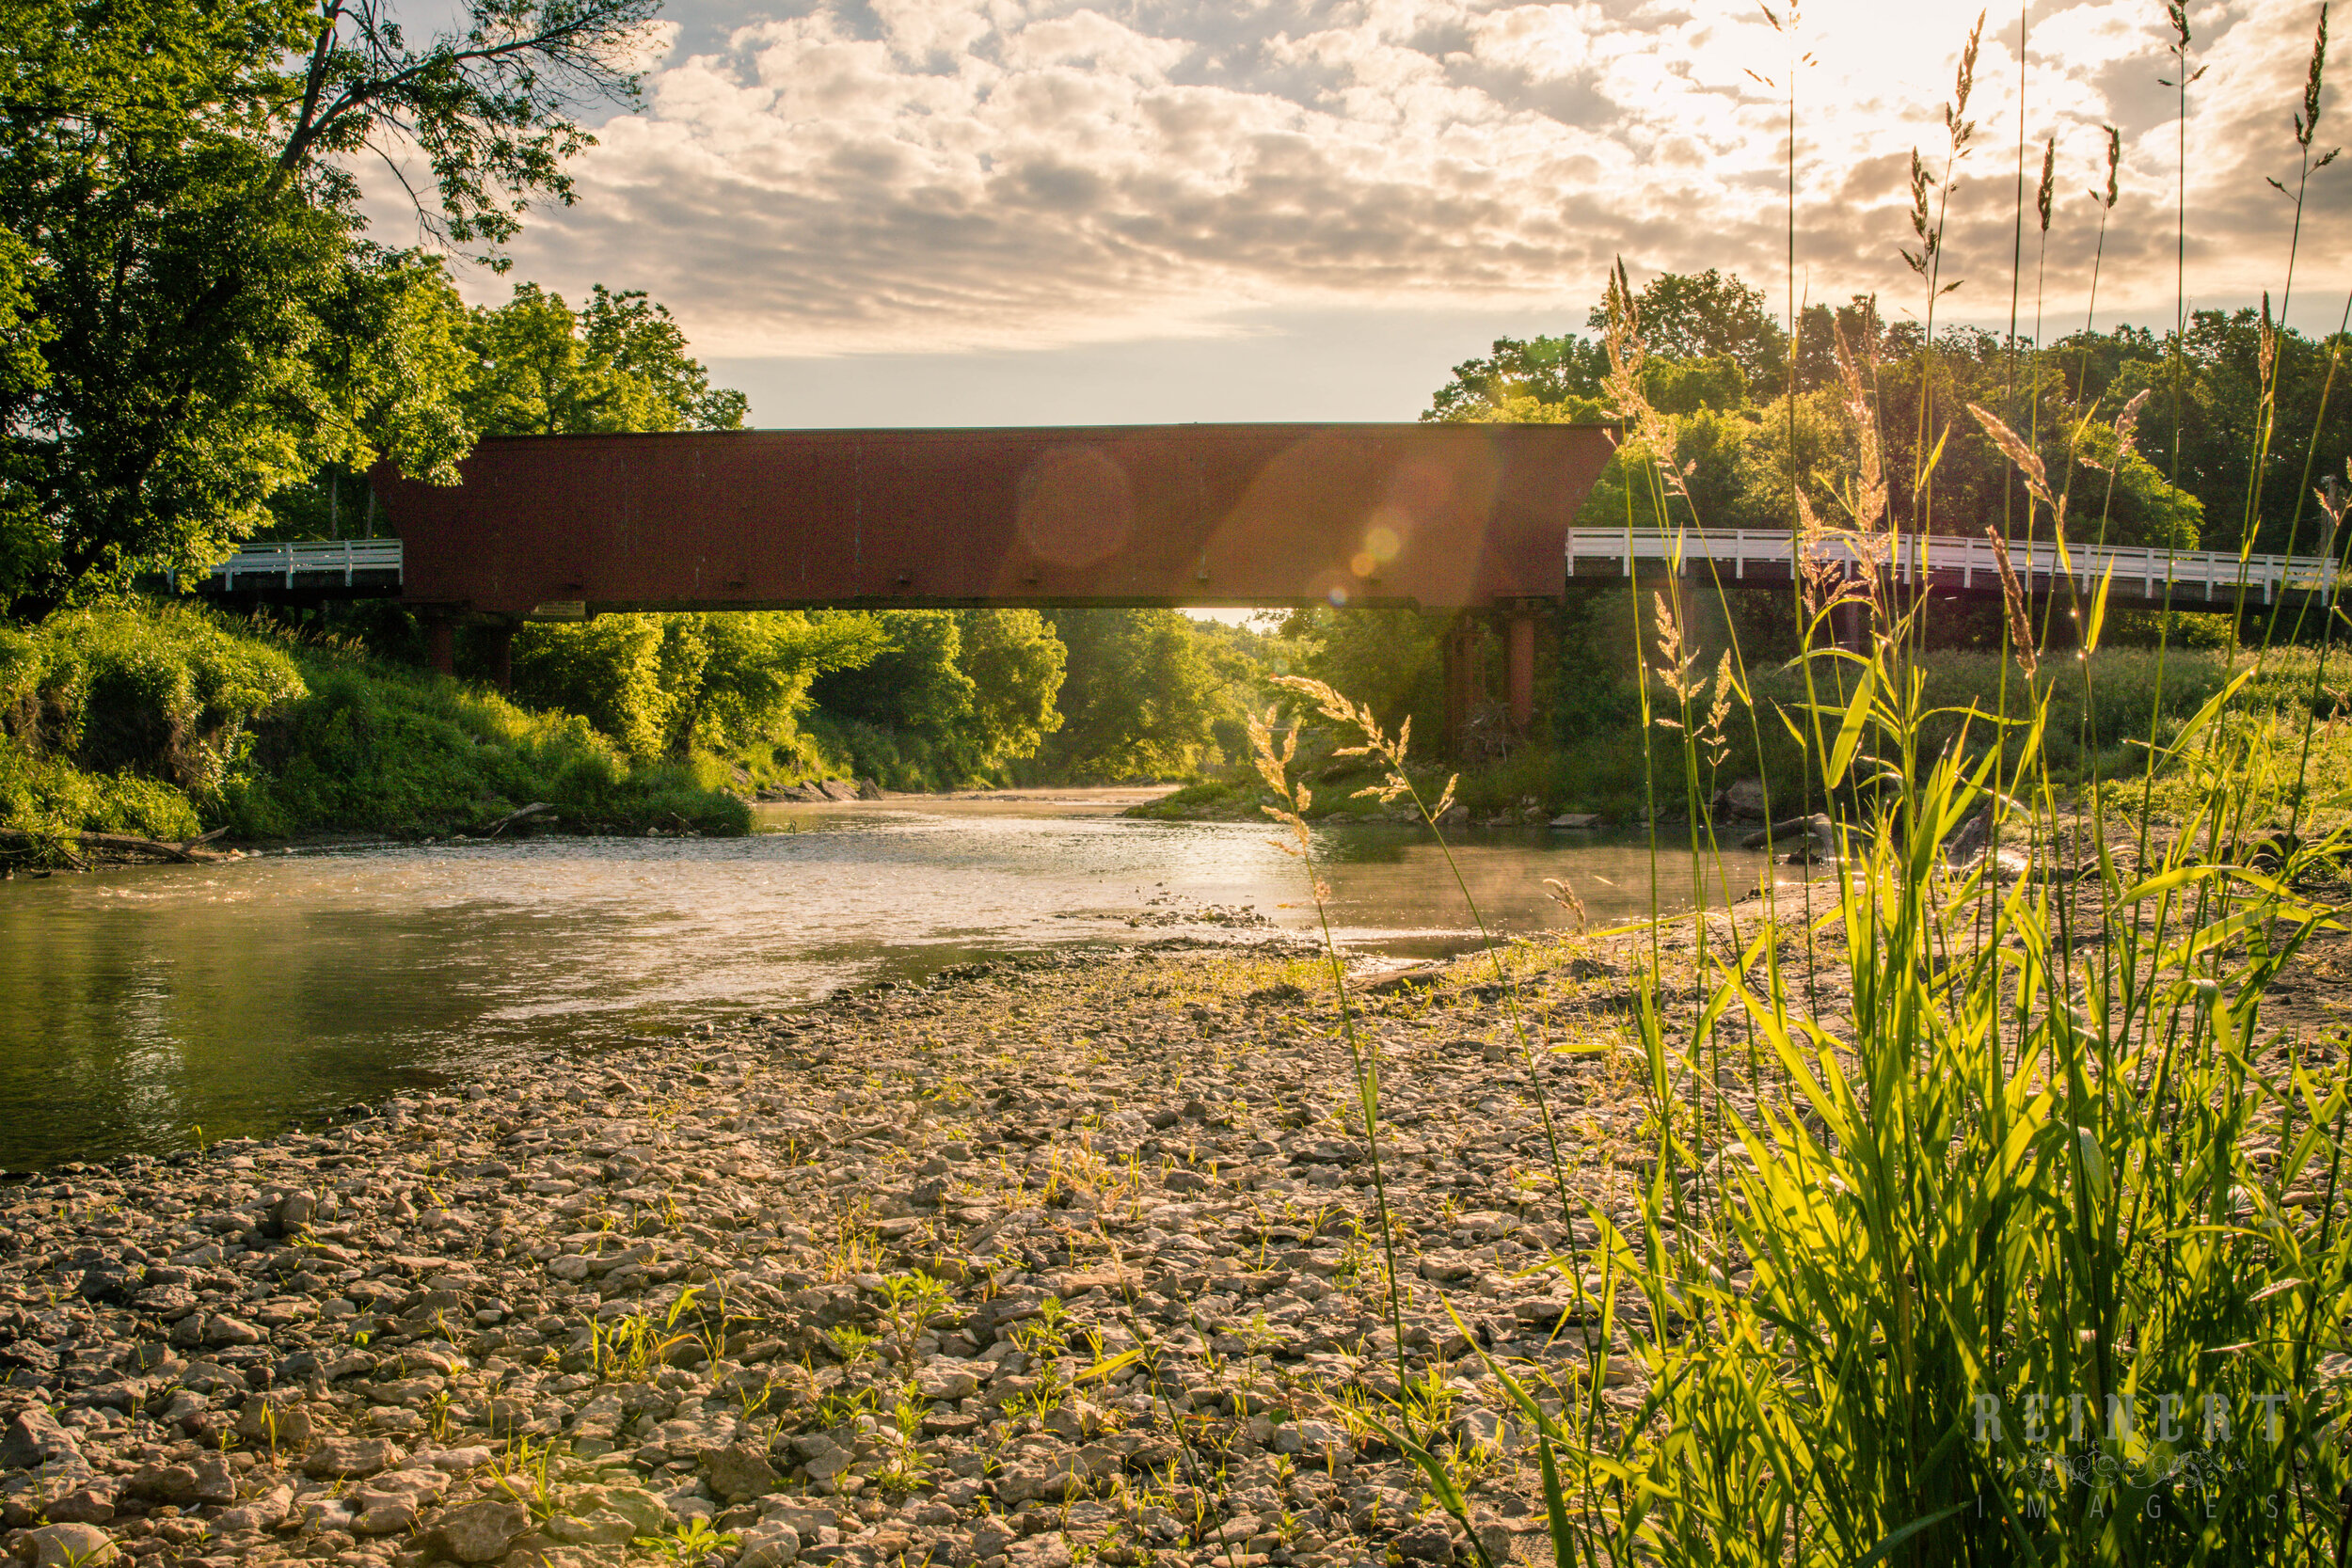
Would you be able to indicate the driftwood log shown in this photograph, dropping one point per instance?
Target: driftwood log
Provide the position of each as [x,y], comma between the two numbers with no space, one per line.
[514,816]
[117,844]
[1816,829]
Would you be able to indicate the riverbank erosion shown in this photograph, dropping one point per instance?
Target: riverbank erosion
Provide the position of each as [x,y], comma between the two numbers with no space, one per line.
[1028,1262]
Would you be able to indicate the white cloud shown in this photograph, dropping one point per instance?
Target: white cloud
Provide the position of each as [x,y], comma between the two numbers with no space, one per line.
[871,175]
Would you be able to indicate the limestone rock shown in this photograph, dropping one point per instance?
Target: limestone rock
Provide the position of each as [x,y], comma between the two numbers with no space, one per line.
[36,1438]
[477,1531]
[384,1514]
[291,1214]
[739,1472]
[265,1512]
[606,1527]
[350,1458]
[1040,1480]
[72,1547]
[769,1544]
[949,1380]
[1049,1550]
[174,1484]
[88,1505]
[280,1425]
[225,1331]
[1743,800]
[215,1483]
[1427,1542]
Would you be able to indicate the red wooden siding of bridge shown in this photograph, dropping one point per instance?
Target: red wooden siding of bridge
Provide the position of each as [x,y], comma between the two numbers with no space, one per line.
[1442,516]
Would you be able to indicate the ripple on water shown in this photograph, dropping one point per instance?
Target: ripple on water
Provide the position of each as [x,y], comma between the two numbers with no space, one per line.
[137,1003]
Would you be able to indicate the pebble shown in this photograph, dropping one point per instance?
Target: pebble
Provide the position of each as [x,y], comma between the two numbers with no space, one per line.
[1043,1261]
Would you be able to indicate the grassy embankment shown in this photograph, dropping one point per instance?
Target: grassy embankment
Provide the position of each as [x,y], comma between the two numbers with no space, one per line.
[2100,722]
[165,722]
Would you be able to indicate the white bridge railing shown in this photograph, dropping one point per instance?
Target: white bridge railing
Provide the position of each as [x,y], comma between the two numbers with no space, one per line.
[1949,561]
[1956,561]
[310,559]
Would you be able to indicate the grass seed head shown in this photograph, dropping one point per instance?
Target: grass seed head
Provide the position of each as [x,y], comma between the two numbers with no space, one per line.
[2307,123]
[2013,594]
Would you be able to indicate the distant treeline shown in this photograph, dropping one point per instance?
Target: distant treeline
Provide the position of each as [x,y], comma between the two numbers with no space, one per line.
[1749,415]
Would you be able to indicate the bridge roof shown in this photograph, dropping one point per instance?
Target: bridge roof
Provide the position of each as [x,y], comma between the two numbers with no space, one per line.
[1439,515]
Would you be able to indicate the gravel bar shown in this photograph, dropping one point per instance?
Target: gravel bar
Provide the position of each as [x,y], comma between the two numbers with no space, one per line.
[1041,1261]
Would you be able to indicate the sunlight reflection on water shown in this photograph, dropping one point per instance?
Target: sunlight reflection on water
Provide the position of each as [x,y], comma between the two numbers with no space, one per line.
[137,1003]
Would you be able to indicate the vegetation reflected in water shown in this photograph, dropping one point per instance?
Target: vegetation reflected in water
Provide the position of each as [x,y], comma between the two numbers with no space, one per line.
[138,1004]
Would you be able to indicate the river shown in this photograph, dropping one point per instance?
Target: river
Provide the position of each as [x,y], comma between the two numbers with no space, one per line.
[144,1008]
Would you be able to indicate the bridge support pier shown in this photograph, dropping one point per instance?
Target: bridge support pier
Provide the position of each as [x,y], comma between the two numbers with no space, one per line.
[440,645]
[1460,647]
[502,652]
[1521,644]
[1465,683]
[1847,624]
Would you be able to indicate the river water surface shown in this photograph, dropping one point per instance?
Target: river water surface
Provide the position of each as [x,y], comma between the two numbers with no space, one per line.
[140,1005]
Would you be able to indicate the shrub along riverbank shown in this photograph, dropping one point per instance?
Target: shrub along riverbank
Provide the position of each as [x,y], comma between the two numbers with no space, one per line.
[2100,716]
[167,721]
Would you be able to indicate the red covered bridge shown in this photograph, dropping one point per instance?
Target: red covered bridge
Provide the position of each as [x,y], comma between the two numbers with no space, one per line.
[1470,518]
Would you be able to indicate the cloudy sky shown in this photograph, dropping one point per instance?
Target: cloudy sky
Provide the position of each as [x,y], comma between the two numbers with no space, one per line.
[956,211]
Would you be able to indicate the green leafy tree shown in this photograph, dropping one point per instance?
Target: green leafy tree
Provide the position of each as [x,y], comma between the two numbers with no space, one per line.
[393,363]
[1389,658]
[667,685]
[421,376]
[2219,399]
[177,177]
[656,684]
[753,670]
[608,671]
[1821,438]
[1819,328]
[956,696]
[1016,665]
[1711,314]
[1715,383]
[618,364]
[1141,695]
[2132,503]
[1541,380]
[917,684]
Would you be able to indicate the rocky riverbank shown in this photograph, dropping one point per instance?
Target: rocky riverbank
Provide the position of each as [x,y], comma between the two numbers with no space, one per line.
[1030,1265]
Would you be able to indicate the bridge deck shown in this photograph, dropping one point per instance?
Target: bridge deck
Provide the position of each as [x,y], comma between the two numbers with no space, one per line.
[1745,557]
[337,569]
[1959,564]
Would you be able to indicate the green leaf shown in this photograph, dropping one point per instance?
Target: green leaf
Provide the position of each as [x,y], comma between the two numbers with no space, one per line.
[1555,1507]
[2098,611]
[1433,1472]
[1878,1552]
[1849,731]
[1790,724]
[1110,1367]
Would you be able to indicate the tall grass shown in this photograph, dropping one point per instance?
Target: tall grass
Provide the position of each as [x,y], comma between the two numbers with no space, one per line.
[1989,1218]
